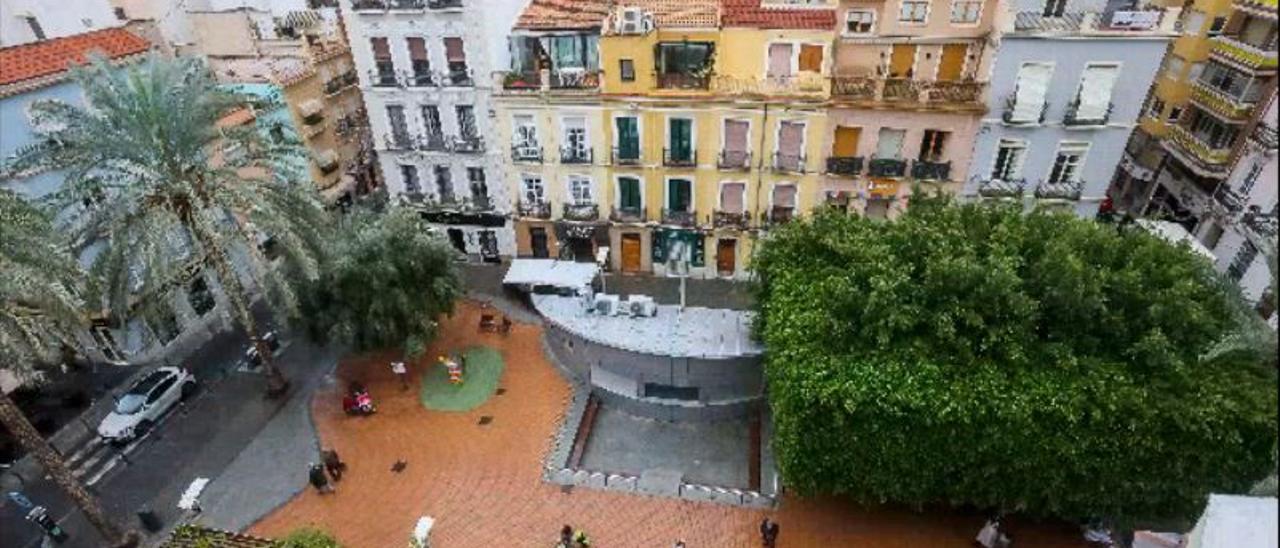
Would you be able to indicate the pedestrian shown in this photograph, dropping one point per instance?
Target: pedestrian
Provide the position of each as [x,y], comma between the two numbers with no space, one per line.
[771,537]
[566,536]
[318,479]
[678,544]
[398,368]
[764,532]
[333,464]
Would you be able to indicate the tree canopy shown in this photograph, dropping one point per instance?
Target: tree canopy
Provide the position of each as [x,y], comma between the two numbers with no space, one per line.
[387,281]
[976,355]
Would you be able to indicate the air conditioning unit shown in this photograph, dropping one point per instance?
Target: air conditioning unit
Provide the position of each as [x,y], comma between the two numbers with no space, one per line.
[641,306]
[634,21]
[606,305]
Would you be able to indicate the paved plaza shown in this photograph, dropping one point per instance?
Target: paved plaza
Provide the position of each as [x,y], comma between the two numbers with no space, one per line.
[482,482]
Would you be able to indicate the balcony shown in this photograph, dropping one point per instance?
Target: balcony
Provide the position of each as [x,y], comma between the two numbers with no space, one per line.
[1063,190]
[996,188]
[1231,202]
[1073,118]
[1265,135]
[1011,103]
[734,159]
[680,80]
[923,94]
[887,167]
[770,85]
[848,166]
[788,163]
[524,80]
[731,219]
[368,5]
[779,215]
[457,78]
[406,5]
[571,155]
[1222,102]
[901,90]
[536,210]
[400,141]
[574,79]
[340,82]
[1185,143]
[679,159]
[581,212]
[526,153]
[444,4]
[468,144]
[678,217]
[629,157]
[435,142]
[423,79]
[1233,51]
[930,171]
[383,78]
[628,215]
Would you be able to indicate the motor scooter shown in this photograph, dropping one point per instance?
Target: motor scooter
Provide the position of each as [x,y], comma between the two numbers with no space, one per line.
[40,516]
[358,401]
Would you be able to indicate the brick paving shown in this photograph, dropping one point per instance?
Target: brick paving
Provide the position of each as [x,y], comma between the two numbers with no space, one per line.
[483,484]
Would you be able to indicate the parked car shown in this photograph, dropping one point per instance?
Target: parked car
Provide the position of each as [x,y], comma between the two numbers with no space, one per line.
[251,358]
[145,402]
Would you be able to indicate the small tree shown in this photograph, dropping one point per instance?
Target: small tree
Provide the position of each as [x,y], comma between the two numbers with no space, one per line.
[386,283]
[309,538]
[977,355]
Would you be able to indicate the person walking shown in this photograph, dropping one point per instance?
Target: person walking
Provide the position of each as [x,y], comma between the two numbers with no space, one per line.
[566,536]
[402,373]
[764,532]
[678,544]
[771,536]
[318,479]
[333,464]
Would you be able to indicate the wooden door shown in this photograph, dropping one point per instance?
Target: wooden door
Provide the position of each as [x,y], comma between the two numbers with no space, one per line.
[631,253]
[902,60]
[726,256]
[538,241]
[951,67]
[846,145]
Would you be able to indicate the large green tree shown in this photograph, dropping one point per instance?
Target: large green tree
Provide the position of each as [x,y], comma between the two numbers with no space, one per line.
[977,355]
[150,174]
[387,280]
[39,315]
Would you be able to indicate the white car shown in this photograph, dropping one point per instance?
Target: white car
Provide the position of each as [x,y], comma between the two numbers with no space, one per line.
[145,402]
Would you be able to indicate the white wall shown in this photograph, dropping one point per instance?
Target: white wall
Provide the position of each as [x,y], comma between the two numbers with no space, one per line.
[57,18]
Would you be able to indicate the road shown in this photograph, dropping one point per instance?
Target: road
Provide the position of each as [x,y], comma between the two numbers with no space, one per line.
[197,439]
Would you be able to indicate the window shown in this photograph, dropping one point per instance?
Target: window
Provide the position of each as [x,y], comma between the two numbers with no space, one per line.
[383,65]
[1219,23]
[1066,167]
[1195,71]
[732,197]
[681,139]
[670,392]
[532,189]
[965,11]
[467,121]
[418,60]
[409,177]
[627,68]
[199,296]
[1055,8]
[629,193]
[164,324]
[933,145]
[679,195]
[455,54]
[444,183]
[431,119]
[1212,132]
[1156,108]
[736,138]
[1242,261]
[1093,99]
[120,14]
[399,126]
[525,132]
[1030,92]
[811,57]
[683,57]
[628,128]
[780,60]
[1175,114]
[575,137]
[784,196]
[1250,178]
[1009,157]
[914,11]
[859,21]
[476,180]
[889,143]
[580,190]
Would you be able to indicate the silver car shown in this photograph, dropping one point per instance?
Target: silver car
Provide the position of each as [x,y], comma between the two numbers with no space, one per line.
[145,402]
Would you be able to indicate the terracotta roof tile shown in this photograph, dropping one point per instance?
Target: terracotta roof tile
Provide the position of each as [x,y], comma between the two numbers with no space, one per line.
[27,61]
[563,15]
[680,13]
[749,13]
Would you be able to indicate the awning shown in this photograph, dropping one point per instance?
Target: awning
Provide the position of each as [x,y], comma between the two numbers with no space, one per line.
[302,19]
[310,106]
[562,274]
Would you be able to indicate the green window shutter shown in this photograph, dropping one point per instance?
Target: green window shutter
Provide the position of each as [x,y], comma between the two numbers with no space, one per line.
[697,256]
[628,138]
[678,194]
[681,135]
[659,246]
[630,191]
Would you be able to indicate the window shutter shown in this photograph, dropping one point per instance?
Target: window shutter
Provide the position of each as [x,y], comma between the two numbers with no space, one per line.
[731,195]
[381,49]
[846,145]
[811,58]
[454,51]
[735,135]
[952,64]
[1033,85]
[784,196]
[628,138]
[790,137]
[417,49]
[1095,91]
[889,145]
[779,60]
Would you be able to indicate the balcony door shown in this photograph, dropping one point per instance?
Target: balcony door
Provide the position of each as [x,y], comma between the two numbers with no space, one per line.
[889,144]
[732,197]
[681,137]
[680,195]
[846,142]
[1095,91]
[780,61]
[630,253]
[951,66]
[1031,90]
[726,256]
[901,60]
[629,198]
[628,128]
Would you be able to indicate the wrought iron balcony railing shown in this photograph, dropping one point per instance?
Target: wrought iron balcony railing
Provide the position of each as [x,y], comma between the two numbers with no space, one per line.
[1231,201]
[526,153]
[740,220]
[629,156]
[933,93]
[1266,135]
[581,212]
[468,144]
[628,215]
[1062,190]
[406,4]
[400,141]
[848,166]
[734,159]
[1010,107]
[1073,118]
[419,79]
[574,79]
[435,142]
[930,171]
[678,217]
[778,215]
[887,167]
[683,158]
[789,163]
[383,78]
[996,188]
[535,210]
[444,4]
[368,5]
[341,82]
[572,155]
[456,78]
[684,80]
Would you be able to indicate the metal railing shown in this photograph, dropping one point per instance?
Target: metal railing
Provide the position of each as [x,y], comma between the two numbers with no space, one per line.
[629,158]
[790,163]
[435,142]
[683,80]
[778,215]
[536,210]
[627,215]
[526,153]
[1062,190]
[734,159]
[731,219]
[341,82]
[368,5]
[571,155]
[678,217]
[939,92]
[887,167]
[457,78]
[844,165]
[581,212]
[1072,116]
[1011,103]
[444,4]
[468,144]
[996,188]
[930,171]
[574,79]
[406,4]
[400,141]
[383,78]
[419,79]
[671,159]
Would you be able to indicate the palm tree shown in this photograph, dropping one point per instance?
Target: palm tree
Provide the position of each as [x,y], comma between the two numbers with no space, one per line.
[152,176]
[39,313]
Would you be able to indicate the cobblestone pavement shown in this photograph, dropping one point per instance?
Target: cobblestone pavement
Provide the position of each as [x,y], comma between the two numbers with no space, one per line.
[482,483]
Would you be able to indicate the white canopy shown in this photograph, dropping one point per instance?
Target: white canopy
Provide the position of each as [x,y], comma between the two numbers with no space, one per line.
[1174,233]
[565,274]
[1231,521]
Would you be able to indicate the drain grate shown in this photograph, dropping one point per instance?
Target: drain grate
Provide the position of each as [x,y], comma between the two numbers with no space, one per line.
[566,489]
[485,420]
[501,391]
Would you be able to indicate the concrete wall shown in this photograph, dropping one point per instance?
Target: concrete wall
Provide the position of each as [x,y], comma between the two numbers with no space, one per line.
[727,388]
[56,19]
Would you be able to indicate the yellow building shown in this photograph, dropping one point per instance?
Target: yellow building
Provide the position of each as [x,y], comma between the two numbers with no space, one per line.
[696,129]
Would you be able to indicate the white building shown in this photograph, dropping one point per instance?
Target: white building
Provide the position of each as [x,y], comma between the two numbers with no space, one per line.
[26,21]
[1241,225]
[427,71]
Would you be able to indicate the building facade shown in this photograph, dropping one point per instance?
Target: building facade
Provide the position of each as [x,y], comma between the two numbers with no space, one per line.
[427,77]
[1067,89]
[27,21]
[907,99]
